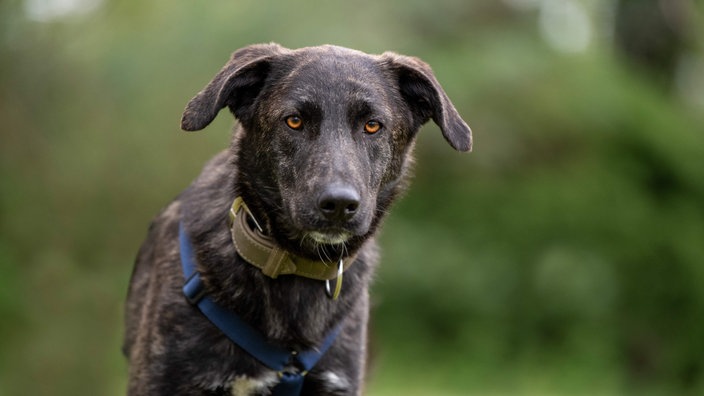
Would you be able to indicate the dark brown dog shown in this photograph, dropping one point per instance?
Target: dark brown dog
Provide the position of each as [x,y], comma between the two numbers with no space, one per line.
[322,149]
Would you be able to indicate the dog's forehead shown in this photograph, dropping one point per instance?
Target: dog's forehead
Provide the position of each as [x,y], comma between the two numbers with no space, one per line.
[327,54]
[333,71]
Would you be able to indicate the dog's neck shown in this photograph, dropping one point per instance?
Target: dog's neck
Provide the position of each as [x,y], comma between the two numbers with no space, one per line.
[262,252]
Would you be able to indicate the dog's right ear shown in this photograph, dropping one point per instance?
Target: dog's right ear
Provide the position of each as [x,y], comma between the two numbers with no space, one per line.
[236,85]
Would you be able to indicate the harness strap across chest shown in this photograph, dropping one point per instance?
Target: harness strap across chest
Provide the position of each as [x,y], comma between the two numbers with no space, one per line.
[291,366]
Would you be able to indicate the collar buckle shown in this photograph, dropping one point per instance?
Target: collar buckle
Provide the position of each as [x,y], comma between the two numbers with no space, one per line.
[237,205]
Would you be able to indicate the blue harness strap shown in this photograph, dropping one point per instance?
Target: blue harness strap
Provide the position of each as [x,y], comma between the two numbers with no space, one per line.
[245,336]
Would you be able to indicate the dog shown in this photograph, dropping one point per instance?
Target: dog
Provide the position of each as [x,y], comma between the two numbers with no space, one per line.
[279,230]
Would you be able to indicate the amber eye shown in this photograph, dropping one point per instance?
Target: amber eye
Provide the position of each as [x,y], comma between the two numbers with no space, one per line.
[372,127]
[294,122]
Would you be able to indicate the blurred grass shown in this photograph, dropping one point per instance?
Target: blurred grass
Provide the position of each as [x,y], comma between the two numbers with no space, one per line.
[563,256]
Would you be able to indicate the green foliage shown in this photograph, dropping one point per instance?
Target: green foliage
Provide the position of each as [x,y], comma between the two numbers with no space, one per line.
[563,256]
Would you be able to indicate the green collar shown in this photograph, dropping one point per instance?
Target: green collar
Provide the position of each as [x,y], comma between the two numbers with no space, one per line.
[262,252]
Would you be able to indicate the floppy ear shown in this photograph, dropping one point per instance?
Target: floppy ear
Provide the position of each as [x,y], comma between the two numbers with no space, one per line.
[426,98]
[236,85]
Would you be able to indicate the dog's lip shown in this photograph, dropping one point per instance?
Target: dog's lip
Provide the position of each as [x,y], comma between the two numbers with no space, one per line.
[331,236]
[312,229]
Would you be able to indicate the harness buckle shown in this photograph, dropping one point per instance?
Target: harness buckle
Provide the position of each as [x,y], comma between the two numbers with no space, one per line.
[291,373]
[193,288]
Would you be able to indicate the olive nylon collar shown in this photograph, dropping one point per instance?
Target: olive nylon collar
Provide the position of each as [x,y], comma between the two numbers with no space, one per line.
[262,252]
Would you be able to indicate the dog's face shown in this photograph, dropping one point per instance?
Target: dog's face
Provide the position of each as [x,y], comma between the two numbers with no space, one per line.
[325,136]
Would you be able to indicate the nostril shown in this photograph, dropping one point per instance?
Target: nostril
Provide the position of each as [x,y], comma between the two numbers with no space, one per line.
[327,206]
[352,207]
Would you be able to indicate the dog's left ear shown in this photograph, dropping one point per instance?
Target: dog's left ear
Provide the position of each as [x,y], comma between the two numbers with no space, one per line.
[426,98]
[236,85]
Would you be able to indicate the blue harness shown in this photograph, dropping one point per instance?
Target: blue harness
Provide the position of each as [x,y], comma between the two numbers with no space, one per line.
[291,366]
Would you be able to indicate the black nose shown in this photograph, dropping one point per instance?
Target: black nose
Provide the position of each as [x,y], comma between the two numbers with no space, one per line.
[339,203]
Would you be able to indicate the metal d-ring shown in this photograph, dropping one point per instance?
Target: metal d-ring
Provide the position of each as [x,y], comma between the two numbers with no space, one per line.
[338,283]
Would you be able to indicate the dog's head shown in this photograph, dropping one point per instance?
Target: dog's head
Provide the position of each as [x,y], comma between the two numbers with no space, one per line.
[324,138]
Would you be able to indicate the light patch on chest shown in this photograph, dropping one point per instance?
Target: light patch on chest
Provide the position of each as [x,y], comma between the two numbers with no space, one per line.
[335,382]
[246,386]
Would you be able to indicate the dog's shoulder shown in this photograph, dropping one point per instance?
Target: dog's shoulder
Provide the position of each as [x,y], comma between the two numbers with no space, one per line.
[158,249]
[204,205]
[216,170]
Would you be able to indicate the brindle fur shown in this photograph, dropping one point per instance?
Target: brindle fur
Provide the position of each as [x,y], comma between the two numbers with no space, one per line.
[172,348]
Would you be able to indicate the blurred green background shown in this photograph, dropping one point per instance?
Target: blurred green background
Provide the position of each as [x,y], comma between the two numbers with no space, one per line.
[565,256]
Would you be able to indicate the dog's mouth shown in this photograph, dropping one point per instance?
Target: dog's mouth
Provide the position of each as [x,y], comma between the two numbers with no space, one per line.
[323,241]
[315,234]
[332,237]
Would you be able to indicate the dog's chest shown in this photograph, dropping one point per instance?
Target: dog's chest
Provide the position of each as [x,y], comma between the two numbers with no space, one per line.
[248,386]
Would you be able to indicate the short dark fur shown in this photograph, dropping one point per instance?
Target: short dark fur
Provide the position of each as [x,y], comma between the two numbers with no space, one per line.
[281,172]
